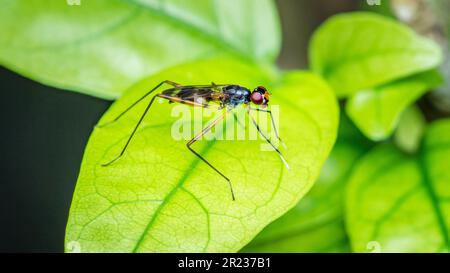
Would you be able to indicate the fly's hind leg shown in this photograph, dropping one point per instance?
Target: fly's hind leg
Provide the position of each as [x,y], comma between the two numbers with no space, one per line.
[132,133]
[170,98]
[174,84]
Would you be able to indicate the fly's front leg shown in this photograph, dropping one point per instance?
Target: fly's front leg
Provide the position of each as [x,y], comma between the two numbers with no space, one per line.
[268,140]
[273,123]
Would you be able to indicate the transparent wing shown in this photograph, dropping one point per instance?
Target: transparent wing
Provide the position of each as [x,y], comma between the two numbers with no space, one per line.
[197,93]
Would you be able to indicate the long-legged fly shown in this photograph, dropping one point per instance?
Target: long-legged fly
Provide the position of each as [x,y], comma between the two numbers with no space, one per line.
[217,96]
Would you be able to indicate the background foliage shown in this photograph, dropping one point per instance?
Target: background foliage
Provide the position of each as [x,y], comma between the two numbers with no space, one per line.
[102,47]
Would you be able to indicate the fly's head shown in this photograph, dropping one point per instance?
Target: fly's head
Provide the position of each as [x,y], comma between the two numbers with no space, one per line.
[260,96]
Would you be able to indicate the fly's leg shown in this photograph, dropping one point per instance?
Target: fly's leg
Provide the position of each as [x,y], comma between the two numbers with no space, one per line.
[176,85]
[268,140]
[132,133]
[273,123]
[197,137]
[175,99]
[236,118]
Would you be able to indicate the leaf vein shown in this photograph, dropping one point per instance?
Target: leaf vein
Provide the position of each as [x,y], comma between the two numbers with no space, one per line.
[431,191]
[169,196]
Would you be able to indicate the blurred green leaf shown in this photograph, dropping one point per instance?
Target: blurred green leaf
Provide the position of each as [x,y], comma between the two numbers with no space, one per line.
[160,198]
[401,202]
[362,50]
[410,130]
[316,223]
[377,111]
[104,46]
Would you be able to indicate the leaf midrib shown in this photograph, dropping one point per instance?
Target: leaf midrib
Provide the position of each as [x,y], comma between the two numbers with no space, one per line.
[215,37]
[168,197]
[434,200]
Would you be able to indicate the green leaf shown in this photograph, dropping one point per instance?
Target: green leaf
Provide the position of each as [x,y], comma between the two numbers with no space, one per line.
[400,201]
[104,46]
[410,130]
[316,223]
[362,50]
[159,197]
[376,111]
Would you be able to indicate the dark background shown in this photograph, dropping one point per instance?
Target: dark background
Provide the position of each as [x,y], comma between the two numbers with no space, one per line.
[45,130]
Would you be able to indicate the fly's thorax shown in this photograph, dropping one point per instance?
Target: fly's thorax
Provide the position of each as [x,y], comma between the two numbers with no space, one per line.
[235,95]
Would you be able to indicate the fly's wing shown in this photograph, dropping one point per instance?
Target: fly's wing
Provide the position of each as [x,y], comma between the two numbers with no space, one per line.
[197,93]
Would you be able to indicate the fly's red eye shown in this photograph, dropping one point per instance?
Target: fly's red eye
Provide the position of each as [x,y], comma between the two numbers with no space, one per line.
[256,98]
